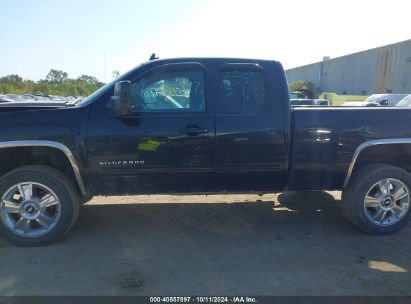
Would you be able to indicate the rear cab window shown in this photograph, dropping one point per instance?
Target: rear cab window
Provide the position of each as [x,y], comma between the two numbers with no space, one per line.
[243,88]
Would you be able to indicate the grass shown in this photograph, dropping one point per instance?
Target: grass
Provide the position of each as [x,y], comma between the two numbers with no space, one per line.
[337,100]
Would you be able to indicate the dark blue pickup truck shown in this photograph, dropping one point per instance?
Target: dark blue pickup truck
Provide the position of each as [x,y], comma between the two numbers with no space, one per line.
[195,125]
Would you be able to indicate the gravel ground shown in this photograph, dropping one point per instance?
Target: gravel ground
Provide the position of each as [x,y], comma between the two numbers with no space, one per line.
[294,243]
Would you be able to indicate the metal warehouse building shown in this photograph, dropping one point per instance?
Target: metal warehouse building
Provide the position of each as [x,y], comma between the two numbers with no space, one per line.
[385,69]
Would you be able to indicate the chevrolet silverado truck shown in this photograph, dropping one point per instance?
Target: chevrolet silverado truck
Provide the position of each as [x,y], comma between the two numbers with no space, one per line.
[197,125]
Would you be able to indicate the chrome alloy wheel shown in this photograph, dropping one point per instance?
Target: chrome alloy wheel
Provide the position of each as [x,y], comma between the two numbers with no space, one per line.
[30,209]
[387,202]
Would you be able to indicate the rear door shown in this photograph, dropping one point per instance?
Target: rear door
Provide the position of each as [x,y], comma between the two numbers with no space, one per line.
[251,148]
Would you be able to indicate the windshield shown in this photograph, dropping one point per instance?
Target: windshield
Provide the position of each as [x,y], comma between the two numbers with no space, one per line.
[27,97]
[97,93]
[322,102]
[405,102]
[296,95]
[41,98]
[308,102]
[373,98]
[302,102]
[106,87]
[15,97]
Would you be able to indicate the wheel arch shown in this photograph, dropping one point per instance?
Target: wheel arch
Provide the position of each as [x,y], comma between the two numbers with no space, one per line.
[54,146]
[380,151]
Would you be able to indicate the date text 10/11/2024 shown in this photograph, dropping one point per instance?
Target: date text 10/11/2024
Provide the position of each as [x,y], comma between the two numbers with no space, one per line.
[237,299]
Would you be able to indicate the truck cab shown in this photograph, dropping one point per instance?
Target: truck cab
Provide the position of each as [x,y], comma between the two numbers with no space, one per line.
[194,125]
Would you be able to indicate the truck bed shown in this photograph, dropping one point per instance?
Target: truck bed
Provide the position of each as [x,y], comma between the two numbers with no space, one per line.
[324,141]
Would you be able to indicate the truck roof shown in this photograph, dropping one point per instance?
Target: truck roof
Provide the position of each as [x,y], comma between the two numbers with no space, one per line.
[187,59]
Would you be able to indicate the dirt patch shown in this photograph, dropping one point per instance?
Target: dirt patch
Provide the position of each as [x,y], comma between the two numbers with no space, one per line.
[279,244]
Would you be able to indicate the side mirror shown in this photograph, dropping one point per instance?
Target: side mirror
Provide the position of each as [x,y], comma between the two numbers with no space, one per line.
[121,103]
[383,102]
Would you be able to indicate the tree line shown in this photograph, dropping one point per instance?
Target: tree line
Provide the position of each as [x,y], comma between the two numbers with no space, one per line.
[298,85]
[56,83]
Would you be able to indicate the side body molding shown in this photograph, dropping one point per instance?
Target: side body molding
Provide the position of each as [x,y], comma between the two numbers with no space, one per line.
[386,141]
[51,144]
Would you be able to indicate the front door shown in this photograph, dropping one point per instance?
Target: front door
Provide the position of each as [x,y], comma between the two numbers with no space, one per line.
[166,145]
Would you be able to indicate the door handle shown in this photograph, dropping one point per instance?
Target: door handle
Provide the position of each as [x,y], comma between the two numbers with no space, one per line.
[193,130]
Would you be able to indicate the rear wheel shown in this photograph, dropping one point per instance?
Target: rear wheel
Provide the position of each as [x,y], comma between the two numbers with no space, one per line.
[377,199]
[38,205]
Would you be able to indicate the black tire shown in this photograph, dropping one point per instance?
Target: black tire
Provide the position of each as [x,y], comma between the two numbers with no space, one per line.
[361,182]
[65,191]
[84,199]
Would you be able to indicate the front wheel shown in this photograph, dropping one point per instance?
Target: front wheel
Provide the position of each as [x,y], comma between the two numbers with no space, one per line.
[38,205]
[377,199]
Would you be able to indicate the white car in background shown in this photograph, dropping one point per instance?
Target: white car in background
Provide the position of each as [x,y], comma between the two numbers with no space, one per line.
[388,100]
[376,100]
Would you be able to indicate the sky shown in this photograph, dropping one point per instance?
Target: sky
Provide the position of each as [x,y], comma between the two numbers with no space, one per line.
[96,37]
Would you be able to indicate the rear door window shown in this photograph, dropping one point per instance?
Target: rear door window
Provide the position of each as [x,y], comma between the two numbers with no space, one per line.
[243,90]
